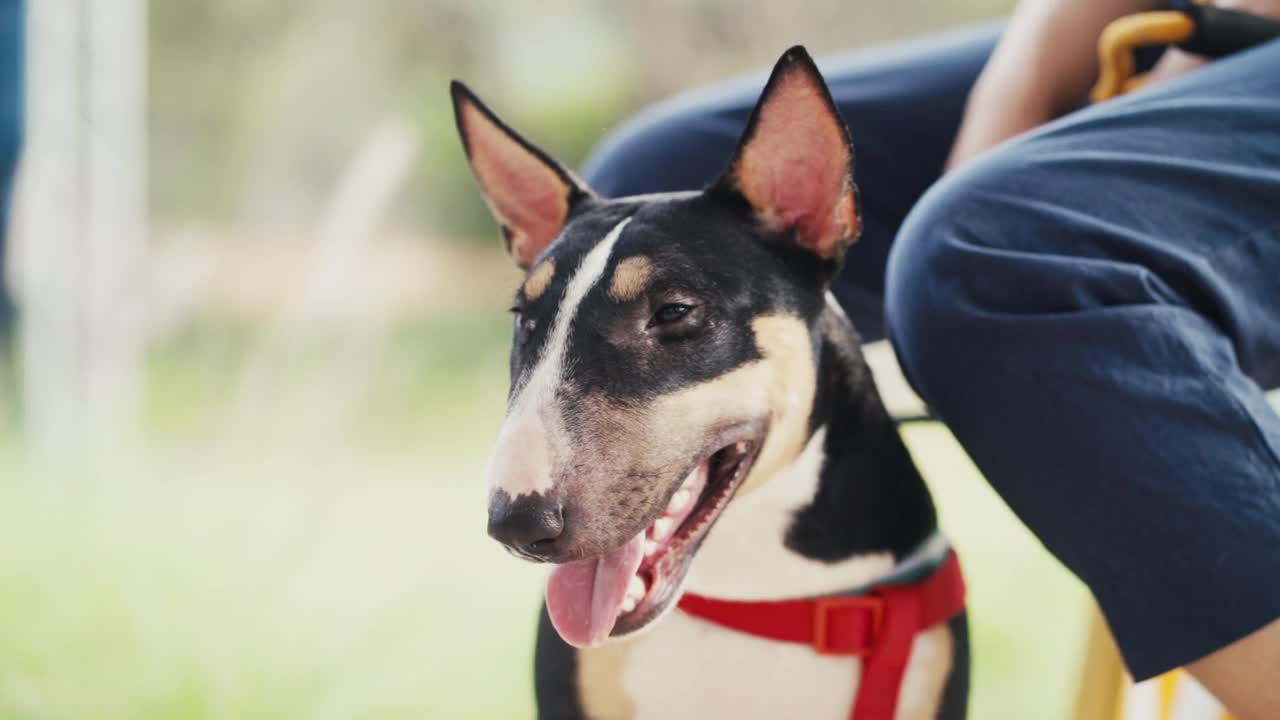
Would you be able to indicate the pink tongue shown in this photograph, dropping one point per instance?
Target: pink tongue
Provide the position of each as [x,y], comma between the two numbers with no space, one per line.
[583,598]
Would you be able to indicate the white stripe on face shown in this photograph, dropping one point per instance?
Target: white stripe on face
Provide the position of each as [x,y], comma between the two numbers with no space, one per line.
[532,432]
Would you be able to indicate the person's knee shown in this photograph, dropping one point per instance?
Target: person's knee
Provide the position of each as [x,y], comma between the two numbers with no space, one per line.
[953,278]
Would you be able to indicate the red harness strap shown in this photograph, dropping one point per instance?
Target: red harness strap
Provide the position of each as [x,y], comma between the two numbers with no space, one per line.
[878,627]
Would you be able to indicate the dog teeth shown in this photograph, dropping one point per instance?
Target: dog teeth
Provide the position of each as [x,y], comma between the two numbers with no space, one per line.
[679,500]
[650,547]
[662,527]
[635,589]
[635,593]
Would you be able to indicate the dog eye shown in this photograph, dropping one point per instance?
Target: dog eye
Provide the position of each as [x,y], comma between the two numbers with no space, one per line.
[524,324]
[670,313]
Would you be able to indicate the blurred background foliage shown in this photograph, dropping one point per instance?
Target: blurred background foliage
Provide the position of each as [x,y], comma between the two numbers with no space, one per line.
[299,530]
[255,104]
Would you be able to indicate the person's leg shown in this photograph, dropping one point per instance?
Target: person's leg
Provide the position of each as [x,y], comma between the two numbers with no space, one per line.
[903,105]
[1242,675]
[1094,310]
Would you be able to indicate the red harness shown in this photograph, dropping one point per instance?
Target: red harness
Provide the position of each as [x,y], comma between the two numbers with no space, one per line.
[877,627]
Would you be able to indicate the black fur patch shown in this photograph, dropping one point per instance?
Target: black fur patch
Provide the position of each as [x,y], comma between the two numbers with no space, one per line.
[555,674]
[955,694]
[870,497]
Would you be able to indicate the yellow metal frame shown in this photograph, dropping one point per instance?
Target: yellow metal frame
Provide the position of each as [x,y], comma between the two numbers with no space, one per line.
[1101,691]
[1121,37]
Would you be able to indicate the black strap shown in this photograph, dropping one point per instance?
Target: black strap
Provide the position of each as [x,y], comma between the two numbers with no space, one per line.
[1220,32]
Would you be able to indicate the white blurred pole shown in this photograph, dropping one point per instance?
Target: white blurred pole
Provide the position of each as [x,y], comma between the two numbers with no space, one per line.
[115,233]
[47,225]
[80,226]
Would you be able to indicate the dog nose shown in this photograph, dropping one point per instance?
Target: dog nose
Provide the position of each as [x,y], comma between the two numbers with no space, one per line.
[529,525]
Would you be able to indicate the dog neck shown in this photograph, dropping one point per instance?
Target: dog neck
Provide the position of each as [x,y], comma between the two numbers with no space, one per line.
[849,511]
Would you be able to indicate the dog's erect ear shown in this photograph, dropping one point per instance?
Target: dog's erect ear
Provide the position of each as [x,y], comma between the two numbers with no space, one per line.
[794,163]
[530,194]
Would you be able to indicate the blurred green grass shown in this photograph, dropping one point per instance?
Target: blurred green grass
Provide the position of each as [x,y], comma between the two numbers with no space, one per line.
[353,579]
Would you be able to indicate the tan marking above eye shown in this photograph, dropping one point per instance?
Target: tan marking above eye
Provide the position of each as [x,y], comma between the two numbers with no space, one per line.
[630,278]
[539,279]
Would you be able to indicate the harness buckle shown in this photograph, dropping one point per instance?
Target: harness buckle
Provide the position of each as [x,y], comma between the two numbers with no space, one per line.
[834,624]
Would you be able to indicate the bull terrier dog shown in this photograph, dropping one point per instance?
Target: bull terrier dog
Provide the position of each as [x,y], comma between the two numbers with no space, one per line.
[693,438]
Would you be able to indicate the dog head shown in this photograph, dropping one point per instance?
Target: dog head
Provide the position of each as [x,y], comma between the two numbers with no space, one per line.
[663,357]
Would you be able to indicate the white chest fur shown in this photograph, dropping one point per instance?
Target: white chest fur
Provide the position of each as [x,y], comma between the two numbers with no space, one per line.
[687,668]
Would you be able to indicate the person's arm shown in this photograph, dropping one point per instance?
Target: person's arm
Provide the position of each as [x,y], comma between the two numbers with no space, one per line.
[1046,62]
[1043,66]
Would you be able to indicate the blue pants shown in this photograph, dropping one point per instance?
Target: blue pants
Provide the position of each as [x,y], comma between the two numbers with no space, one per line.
[1093,308]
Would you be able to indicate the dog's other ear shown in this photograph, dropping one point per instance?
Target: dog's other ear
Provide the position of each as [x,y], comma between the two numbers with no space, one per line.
[530,194]
[794,163]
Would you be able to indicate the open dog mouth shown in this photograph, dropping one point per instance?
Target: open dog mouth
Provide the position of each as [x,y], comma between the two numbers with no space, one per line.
[627,588]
